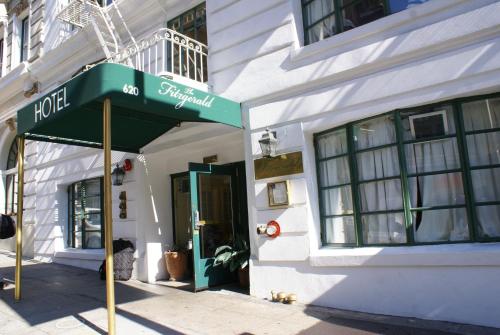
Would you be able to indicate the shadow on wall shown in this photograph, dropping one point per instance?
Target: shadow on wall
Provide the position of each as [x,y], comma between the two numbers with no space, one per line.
[71,291]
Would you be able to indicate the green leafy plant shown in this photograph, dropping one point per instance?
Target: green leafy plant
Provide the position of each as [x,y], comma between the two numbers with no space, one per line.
[233,256]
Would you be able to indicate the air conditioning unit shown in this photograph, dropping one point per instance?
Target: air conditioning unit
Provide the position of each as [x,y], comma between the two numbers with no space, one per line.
[428,125]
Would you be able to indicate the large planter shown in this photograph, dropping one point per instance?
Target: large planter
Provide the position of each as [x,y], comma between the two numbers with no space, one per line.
[244,277]
[176,262]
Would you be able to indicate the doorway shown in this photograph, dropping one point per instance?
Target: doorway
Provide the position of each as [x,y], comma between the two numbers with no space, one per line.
[209,210]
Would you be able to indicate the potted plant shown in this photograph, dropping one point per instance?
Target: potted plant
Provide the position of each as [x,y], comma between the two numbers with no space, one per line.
[235,257]
[176,262]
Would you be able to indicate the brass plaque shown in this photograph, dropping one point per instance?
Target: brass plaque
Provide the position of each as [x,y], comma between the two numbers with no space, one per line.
[282,165]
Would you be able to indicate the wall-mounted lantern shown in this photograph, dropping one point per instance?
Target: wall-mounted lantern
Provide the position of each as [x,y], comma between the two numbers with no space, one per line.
[268,143]
[118,175]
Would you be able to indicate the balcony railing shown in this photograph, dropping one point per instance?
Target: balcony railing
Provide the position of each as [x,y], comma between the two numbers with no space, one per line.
[166,53]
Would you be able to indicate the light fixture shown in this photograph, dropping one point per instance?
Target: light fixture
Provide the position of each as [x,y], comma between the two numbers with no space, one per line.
[268,143]
[118,175]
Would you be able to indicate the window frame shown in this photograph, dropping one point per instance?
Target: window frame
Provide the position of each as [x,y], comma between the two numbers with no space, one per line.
[465,170]
[11,177]
[71,238]
[24,39]
[339,22]
[196,25]
[2,47]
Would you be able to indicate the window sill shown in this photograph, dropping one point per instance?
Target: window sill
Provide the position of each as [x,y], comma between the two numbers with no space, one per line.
[467,254]
[378,27]
[87,254]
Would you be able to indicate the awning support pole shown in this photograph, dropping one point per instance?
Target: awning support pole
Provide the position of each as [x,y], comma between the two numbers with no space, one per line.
[19,223]
[108,224]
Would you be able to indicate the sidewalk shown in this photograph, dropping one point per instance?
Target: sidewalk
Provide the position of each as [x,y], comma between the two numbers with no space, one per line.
[60,299]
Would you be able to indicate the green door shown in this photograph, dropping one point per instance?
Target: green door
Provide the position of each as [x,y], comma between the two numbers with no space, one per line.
[213,220]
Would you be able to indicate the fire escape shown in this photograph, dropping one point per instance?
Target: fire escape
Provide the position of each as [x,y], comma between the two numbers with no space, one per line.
[164,53]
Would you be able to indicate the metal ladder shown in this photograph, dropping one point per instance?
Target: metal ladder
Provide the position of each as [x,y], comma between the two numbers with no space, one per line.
[105,28]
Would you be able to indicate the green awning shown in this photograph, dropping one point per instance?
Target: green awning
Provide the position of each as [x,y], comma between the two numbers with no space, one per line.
[143,108]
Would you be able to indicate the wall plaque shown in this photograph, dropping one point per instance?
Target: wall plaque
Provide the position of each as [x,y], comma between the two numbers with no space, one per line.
[281,165]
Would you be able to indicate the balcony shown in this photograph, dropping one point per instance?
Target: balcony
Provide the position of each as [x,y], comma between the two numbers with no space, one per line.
[79,12]
[166,53]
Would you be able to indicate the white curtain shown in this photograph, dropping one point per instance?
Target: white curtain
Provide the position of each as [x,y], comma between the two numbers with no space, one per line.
[379,195]
[483,150]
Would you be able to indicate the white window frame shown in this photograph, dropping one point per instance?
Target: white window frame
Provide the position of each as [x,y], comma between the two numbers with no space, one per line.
[420,116]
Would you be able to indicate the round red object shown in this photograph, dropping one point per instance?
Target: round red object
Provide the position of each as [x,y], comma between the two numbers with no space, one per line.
[127,165]
[273,229]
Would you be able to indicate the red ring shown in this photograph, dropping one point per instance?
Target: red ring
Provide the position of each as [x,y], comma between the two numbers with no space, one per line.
[276,226]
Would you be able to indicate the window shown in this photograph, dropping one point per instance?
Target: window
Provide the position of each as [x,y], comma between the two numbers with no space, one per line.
[11,180]
[1,57]
[424,175]
[192,23]
[85,214]
[325,18]
[25,33]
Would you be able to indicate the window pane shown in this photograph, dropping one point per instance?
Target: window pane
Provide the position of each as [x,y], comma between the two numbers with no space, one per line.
[332,144]
[93,240]
[374,132]
[316,10]
[399,5]
[340,230]
[436,190]
[484,149]
[384,228]
[489,220]
[361,12]
[449,122]
[441,225]
[378,163]
[334,172]
[431,156]
[337,201]
[483,114]
[381,195]
[321,30]
[486,184]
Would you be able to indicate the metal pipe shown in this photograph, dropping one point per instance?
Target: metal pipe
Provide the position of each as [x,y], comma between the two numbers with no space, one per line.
[108,224]
[20,208]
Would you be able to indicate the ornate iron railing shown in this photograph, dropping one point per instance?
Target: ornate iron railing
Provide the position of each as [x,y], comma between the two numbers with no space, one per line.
[166,53]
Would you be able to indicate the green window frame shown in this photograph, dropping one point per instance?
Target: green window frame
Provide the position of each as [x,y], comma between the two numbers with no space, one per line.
[333,15]
[85,224]
[465,208]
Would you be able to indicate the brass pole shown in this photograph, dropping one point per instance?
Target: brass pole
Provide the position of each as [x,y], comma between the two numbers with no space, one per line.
[108,224]
[19,225]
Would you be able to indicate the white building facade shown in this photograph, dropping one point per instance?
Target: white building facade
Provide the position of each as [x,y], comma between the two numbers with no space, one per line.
[394,113]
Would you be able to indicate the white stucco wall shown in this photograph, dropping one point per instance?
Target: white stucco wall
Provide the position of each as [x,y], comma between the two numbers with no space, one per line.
[432,52]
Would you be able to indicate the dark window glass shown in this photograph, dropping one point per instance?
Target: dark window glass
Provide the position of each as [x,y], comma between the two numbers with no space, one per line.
[25,33]
[85,222]
[11,180]
[325,18]
[1,57]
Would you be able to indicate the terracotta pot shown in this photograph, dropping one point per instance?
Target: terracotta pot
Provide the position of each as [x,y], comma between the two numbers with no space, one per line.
[176,262]
[244,277]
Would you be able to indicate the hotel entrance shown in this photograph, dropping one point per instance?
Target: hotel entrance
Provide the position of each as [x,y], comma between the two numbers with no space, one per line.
[209,211]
